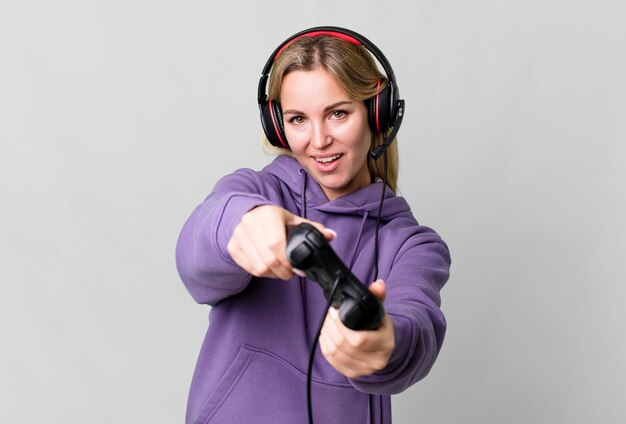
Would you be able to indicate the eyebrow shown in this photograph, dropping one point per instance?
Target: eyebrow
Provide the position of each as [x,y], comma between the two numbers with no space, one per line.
[326,109]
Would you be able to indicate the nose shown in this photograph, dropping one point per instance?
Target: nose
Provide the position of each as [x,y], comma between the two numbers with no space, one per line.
[320,137]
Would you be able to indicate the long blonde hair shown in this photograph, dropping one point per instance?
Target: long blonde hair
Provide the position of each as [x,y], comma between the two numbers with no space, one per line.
[355,71]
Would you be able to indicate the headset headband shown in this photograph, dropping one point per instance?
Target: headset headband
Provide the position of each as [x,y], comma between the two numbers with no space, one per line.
[338,32]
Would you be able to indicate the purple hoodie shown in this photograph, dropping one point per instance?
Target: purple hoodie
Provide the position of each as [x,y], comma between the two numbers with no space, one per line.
[252,364]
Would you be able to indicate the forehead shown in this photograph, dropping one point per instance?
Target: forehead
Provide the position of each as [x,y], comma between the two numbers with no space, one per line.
[301,88]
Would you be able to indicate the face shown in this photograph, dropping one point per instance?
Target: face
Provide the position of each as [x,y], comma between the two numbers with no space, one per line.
[328,131]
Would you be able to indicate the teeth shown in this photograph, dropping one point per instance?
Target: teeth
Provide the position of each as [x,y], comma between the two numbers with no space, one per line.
[328,159]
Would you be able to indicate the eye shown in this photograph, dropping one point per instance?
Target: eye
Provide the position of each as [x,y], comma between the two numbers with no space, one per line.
[338,114]
[296,120]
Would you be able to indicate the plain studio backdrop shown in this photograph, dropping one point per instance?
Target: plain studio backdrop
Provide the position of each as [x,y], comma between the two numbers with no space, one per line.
[118,117]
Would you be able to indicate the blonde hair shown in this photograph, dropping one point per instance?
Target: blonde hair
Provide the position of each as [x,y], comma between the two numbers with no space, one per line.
[355,71]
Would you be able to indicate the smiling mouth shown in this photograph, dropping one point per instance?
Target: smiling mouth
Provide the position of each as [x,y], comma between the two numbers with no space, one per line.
[329,158]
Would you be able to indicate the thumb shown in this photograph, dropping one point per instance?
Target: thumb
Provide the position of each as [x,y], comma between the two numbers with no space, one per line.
[378,289]
[293,220]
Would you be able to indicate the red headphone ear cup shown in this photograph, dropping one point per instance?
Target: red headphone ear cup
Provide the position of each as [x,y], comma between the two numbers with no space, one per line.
[380,109]
[272,122]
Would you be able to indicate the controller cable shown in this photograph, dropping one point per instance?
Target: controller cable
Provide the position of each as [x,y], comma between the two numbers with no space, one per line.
[380,211]
[314,346]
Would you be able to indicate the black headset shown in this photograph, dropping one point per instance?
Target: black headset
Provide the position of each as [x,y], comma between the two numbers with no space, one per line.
[385,110]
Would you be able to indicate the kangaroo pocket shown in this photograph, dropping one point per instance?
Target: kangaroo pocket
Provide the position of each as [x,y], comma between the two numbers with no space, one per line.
[261,387]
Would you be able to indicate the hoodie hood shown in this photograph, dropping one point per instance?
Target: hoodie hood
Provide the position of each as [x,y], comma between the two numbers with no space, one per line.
[308,193]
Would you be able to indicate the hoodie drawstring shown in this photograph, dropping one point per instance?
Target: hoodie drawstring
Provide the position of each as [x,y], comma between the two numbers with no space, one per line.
[366,214]
[303,296]
[303,193]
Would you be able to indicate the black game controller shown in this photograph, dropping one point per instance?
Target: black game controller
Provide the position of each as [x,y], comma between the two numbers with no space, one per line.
[308,251]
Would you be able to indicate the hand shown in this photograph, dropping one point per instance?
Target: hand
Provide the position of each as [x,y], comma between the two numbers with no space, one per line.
[259,240]
[357,353]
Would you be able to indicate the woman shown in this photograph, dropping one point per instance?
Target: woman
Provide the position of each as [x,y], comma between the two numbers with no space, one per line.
[231,255]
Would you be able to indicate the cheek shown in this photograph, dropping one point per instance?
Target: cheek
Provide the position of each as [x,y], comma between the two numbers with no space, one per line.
[297,142]
[358,136]
[362,141]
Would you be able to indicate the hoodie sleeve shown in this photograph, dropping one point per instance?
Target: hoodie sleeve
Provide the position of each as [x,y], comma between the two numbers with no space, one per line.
[202,259]
[419,271]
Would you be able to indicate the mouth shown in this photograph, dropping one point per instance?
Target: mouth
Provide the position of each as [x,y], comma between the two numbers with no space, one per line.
[327,159]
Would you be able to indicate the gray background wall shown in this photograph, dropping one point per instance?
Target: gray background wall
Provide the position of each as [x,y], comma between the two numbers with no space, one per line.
[117,117]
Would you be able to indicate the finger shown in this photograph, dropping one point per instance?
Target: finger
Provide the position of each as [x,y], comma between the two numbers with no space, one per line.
[261,261]
[277,242]
[379,290]
[258,264]
[329,234]
[273,252]
[371,353]
[262,244]
[340,335]
[358,343]
[299,272]
[341,362]
[276,239]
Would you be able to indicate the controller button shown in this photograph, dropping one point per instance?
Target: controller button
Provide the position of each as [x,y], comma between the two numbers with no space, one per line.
[366,303]
[316,239]
[300,254]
